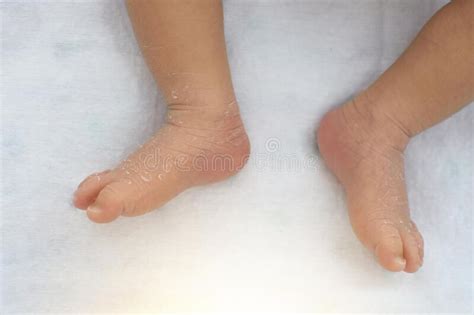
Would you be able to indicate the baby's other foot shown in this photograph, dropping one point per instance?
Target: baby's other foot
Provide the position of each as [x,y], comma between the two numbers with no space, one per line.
[364,149]
[197,145]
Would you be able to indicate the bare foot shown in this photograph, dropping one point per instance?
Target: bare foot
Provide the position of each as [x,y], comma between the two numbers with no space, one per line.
[364,150]
[197,145]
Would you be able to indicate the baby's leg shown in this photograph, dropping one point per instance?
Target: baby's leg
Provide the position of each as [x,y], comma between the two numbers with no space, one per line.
[363,141]
[203,139]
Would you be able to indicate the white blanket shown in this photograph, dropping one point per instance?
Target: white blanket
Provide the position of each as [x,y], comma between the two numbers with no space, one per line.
[77,98]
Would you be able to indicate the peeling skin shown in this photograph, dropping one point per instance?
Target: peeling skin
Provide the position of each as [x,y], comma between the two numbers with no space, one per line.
[189,153]
[203,119]
[362,142]
[363,159]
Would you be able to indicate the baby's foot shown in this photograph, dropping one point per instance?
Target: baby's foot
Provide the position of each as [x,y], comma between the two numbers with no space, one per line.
[364,149]
[197,145]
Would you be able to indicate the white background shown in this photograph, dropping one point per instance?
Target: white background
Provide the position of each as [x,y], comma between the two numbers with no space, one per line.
[77,98]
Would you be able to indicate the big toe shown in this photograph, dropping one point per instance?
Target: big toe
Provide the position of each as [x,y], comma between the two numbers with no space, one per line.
[89,188]
[398,246]
[109,204]
[389,252]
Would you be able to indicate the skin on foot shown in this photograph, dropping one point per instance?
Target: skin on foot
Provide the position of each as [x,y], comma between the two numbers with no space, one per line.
[364,149]
[196,146]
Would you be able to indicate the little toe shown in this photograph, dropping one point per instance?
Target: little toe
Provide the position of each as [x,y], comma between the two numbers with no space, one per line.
[88,189]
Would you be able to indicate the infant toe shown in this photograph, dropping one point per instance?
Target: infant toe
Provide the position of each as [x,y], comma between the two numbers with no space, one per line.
[389,252]
[109,204]
[412,248]
[89,188]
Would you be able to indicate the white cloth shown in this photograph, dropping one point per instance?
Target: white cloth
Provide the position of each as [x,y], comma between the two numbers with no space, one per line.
[77,98]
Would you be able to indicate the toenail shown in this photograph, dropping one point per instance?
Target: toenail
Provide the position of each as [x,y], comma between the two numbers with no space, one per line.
[95,210]
[400,262]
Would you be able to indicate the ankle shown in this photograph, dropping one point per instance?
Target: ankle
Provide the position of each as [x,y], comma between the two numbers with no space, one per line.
[189,100]
[205,116]
[217,132]
[369,120]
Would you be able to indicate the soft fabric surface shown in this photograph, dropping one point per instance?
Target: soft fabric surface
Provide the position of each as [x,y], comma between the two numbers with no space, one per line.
[77,98]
